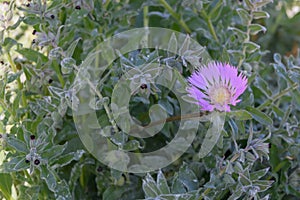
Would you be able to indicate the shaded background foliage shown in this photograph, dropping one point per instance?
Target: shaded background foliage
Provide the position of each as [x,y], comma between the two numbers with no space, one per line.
[42,156]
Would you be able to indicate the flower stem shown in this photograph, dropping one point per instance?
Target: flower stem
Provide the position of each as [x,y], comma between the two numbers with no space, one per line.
[175,15]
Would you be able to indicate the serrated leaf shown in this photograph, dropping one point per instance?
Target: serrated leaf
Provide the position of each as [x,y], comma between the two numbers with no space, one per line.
[259,116]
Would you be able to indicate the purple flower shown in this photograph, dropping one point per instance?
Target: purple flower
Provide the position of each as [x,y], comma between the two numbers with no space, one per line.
[217,85]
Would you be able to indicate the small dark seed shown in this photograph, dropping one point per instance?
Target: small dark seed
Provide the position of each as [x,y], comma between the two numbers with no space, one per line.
[32,137]
[77,7]
[143,86]
[27,161]
[52,16]
[50,81]
[33,41]
[2,63]
[37,162]
[33,32]
[28,5]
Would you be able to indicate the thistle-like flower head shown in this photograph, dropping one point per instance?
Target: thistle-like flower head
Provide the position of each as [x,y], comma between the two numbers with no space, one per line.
[216,86]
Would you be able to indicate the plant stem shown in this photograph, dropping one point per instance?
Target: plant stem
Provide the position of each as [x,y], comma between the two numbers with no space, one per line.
[175,15]
[105,104]
[278,96]
[145,16]
[210,25]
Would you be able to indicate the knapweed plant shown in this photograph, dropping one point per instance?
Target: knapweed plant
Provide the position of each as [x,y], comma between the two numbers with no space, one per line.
[240,84]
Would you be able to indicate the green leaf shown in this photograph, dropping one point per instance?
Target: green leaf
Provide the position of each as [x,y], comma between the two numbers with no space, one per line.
[149,187]
[187,177]
[54,151]
[131,145]
[259,116]
[216,11]
[13,77]
[259,4]
[32,55]
[240,114]
[8,44]
[213,133]
[256,28]
[251,47]
[71,48]
[5,185]
[17,144]
[32,20]
[249,4]
[259,174]
[277,58]
[263,86]
[260,14]
[244,15]
[66,159]
[49,176]
[162,184]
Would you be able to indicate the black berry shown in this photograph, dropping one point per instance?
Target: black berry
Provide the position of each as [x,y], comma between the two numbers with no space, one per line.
[32,137]
[37,162]
[78,7]
[2,63]
[50,81]
[27,161]
[99,169]
[143,86]
[28,5]
[33,32]
[52,16]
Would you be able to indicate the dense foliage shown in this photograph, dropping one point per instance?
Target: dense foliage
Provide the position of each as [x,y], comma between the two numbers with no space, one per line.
[43,43]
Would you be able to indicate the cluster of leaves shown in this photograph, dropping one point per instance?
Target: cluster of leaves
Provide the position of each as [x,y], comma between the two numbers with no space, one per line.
[42,157]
